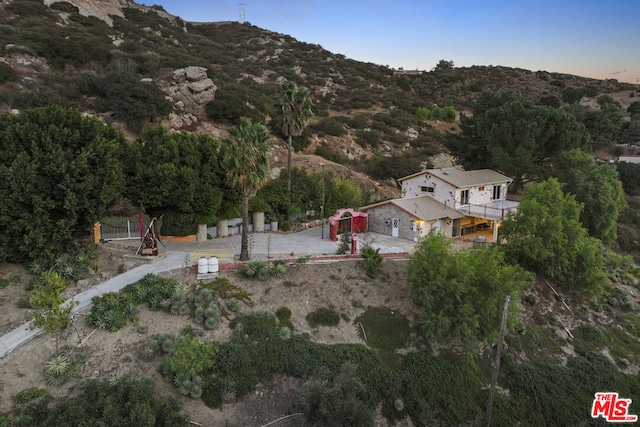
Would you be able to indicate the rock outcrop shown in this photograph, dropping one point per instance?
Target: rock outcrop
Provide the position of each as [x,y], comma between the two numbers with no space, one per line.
[105,9]
[190,89]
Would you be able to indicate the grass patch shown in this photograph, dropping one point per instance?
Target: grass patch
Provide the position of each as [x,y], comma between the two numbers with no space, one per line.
[385,329]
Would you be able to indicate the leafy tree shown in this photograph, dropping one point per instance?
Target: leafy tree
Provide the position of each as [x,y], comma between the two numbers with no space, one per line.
[597,187]
[604,125]
[296,110]
[630,177]
[634,108]
[177,172]
[245,156]
[341,193]
[233,101]
[443,65]
[59,172]
[571,95]
[550,101]
[631,134]
[516,137]
[462,293]
[382,167]
[50,312]
[126,401]
[545,236]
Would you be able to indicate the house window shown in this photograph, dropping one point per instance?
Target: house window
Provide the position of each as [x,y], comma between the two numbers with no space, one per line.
[464,197]
[496,192]
[427,189]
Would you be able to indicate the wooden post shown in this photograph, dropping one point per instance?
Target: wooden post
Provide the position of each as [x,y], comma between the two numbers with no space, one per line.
[496,363]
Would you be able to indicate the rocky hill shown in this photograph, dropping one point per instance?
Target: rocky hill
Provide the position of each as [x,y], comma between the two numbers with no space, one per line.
[136,66]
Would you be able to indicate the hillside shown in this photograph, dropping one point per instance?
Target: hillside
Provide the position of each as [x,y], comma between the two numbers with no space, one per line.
[92,54]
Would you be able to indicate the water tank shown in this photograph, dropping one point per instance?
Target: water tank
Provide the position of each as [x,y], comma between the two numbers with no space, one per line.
[213,264]
[203,265]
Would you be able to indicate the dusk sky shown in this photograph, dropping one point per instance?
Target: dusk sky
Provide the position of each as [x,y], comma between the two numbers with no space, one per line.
[590,38]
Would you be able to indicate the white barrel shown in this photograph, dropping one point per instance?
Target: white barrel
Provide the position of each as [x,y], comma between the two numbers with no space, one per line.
[213,264]
[203,265]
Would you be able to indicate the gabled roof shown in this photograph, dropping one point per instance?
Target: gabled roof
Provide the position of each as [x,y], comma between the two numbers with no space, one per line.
[424,208]
[461,179]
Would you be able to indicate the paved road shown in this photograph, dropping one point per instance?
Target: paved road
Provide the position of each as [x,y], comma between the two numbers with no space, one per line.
[172,256]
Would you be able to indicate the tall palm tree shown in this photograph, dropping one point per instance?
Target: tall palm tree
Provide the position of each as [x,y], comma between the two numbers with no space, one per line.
[245,157]
[296,110]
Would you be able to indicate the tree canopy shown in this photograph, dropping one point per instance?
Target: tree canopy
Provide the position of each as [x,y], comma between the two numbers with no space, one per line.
[128,401]
[516,137]
[177,172]
[462,293]
[59,172]
[545,236]
[597,187]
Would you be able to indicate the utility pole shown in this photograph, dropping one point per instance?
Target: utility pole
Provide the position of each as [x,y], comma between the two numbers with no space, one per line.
[322,207]
[496,363]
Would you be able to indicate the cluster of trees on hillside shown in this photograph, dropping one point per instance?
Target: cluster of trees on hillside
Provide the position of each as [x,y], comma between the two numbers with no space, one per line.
[62,171]
[564,228]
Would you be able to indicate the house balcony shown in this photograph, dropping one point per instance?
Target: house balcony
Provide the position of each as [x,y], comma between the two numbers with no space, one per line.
[497,209]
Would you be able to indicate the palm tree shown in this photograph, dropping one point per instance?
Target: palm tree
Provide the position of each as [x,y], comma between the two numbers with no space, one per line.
[245,157]
[296,110]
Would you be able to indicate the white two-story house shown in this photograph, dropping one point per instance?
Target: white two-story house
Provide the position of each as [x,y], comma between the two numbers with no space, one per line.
[460,203]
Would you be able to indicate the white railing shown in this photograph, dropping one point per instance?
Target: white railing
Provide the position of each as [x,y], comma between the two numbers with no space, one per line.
[497,209]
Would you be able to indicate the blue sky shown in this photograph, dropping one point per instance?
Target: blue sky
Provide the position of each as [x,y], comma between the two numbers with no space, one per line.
[590,38]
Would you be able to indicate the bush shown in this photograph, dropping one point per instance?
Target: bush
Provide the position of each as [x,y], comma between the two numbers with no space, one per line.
[283,314]
[335,400]
[324,316]
[329,126]
[368,138]
[133,101]
[7,74]
[330,155]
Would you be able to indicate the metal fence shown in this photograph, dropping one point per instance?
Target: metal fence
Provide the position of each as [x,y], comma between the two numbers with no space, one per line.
[122,228]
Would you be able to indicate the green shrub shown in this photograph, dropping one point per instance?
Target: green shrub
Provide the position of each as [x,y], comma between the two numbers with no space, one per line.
[344,247]
[329,126]
[283,314]
[368,138]
[330,155]
[335,400]
[588,338]
[7,73]
[324,316]
[133,101]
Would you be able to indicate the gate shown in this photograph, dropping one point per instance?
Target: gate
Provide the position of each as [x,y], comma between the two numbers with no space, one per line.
[123,228]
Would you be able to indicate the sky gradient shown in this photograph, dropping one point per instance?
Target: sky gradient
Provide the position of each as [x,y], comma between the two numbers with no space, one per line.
[599,39]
